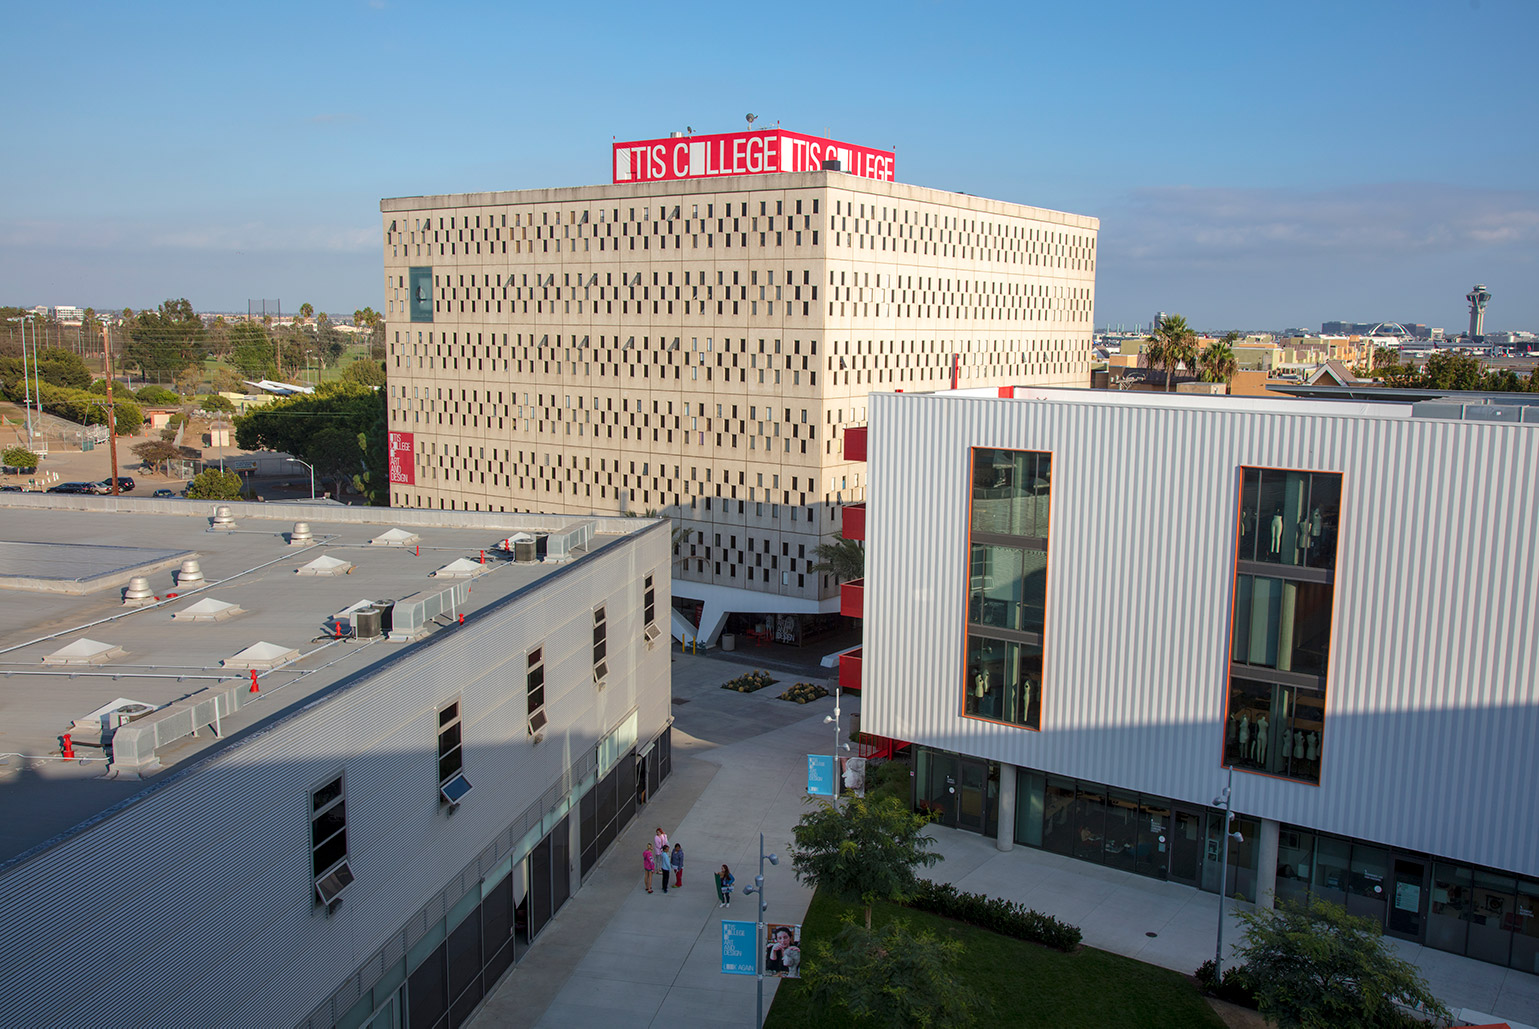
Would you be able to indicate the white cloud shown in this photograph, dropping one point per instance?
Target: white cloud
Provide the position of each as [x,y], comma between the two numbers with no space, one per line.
[1187,223]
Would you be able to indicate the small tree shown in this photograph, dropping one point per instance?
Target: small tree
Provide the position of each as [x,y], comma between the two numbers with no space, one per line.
[867,848]
[1317,967]
[212,484]
[215,402]
[20,457]
[365,372]
[155,452]
[892,976]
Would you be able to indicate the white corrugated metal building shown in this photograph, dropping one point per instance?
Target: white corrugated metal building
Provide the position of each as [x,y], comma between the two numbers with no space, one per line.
[1087,607]
[314,857]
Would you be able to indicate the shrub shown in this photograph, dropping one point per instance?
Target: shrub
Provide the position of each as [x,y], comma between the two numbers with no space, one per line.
[20,457]
[157,396]
[995,914]
[889,779]
[212,484]
[215,402]
[804,693]
[749,681]
[1237,986]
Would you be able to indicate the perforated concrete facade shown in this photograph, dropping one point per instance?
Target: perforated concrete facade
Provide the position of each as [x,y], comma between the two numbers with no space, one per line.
[697,347]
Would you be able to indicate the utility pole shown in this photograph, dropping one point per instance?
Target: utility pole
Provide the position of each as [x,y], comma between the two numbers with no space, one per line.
[26,380]
[112,421]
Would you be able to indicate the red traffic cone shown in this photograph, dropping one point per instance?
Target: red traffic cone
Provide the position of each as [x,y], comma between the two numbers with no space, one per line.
[69,748]
[253,682]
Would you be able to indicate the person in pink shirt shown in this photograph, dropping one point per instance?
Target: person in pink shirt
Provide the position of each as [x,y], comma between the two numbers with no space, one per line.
[648,865]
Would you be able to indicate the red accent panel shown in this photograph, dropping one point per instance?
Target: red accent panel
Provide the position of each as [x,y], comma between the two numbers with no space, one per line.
[854,522]
[852,598]
[402,466]
[1007,391]
[849,671]
[855,443]
[755,152]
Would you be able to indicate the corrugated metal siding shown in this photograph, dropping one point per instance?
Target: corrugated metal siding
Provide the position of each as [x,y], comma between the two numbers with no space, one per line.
[199,895]
[1432,710]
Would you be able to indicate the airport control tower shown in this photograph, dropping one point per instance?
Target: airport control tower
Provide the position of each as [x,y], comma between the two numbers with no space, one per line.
[1478,298]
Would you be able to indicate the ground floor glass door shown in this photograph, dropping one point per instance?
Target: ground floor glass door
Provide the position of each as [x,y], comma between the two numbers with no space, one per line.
[1186,837]
[1408,898]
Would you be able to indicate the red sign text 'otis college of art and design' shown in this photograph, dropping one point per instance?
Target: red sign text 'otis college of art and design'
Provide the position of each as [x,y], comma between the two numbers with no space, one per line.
[743,153]
[402,465]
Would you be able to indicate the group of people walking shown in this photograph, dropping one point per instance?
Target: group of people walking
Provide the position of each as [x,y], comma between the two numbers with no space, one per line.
[668,859]
[659,858]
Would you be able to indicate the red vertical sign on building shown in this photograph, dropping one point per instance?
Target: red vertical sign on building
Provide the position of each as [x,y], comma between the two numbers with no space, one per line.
[403,468]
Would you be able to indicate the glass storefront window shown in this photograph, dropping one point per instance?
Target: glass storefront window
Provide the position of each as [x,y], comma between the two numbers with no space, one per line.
[1153,847]
[1004,681]
[1008,588]
[1525,928]
[1295,854]
[1090,820]
[1448,918]
[1121,829]
[1275,729]
[1010,492]
[1368,882]
[1289,517]
[1029,807]
[1059,826]
[1492,914]
[1329,881]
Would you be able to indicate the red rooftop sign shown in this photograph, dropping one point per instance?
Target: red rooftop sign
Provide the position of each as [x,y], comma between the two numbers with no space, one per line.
[743,153]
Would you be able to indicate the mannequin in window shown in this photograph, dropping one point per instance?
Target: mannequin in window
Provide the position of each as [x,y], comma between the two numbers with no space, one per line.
[1258,746]
[1312,750]
[981,684]
[1286,744]
[1298,746]
[1244,735]
[1277,528]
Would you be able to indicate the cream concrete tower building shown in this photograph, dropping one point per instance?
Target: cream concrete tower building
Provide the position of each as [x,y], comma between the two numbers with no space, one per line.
[694,338]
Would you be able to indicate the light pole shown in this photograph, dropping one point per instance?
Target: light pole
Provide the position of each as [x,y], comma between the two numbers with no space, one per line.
[25,379]
[307,464]
[758,888]
[839,743]
[1224,800]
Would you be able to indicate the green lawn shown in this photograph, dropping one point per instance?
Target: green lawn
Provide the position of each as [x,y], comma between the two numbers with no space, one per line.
[1026,984]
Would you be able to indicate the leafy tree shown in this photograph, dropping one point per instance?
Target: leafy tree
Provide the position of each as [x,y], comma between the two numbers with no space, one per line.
[157,396]
[163,342]
[226,381]
[866,848]
[329,342]
[251,351]
[1217,361]
[19,457]
[336,454]
[1317,967]
[155,453]
[1446,369]
[375,323]
[844,559]
[212,484]
[53,366]
[365,372]
[215,402]
[189,379]
[291,425]
[892,976]
[1172,345]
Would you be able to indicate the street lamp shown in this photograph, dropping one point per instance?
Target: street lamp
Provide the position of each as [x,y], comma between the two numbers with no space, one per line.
[1224,800]
[307,464]
[758,887]
[839,743]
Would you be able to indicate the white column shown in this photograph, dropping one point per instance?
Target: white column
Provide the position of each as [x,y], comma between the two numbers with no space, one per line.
[1266,862]
[1006,838]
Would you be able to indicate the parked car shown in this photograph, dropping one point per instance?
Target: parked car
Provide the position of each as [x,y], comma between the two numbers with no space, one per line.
[12,489]
[164,494]
[76,487]
[125,485]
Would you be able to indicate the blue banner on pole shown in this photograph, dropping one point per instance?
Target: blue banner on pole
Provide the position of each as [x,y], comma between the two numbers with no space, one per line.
[820,775]
[739,944]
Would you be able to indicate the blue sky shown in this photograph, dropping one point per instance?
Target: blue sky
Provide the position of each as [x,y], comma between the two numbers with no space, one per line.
[1254,165]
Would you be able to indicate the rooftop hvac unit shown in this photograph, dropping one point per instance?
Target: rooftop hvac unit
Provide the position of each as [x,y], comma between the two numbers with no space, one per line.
[367,622]
[530,548]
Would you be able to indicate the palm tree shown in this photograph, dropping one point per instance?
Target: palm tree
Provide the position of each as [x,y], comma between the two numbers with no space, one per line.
[1217,359]
[305,311]
[844,559]
[1172,345]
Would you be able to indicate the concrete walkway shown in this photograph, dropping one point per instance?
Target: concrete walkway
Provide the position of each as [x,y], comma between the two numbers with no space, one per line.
[616,953]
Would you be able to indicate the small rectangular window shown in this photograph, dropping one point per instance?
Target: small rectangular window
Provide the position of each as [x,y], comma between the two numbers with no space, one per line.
[329,867]
[535,682]
[648,603]
[600,646]
[452,784]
